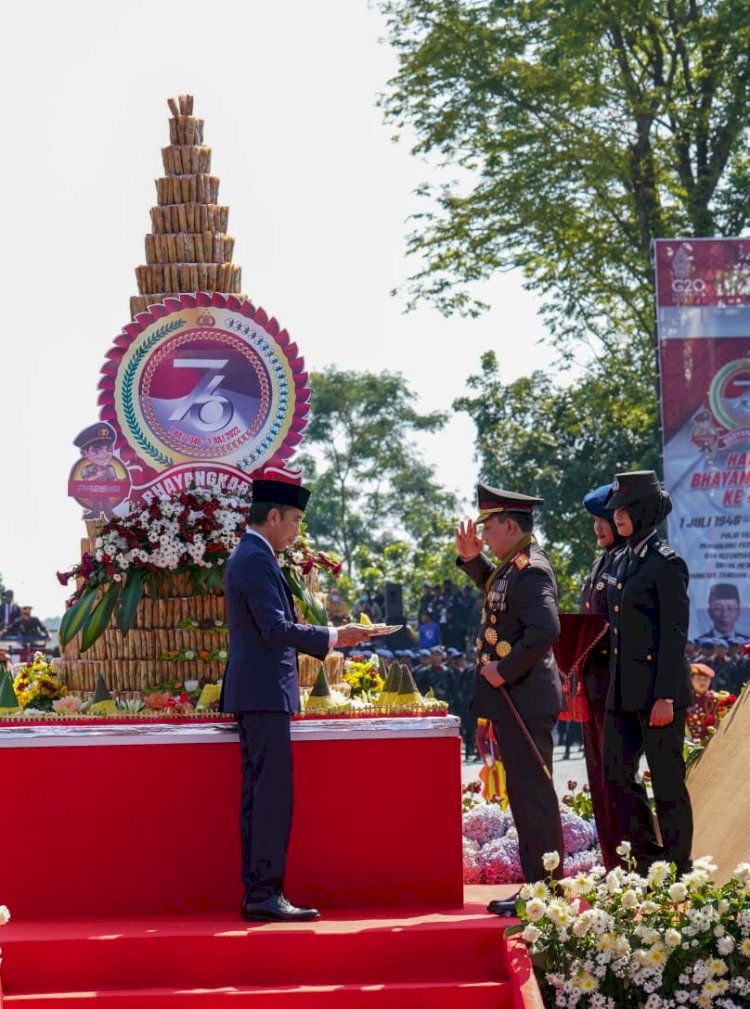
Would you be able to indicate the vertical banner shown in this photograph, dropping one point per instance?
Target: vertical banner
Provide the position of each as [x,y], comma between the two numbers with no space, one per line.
[703,321]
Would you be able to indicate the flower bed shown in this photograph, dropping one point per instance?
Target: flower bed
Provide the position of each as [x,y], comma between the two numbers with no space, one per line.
[491,853]
[624,941]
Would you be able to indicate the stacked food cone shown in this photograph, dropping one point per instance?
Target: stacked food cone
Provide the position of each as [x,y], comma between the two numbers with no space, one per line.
[188,248]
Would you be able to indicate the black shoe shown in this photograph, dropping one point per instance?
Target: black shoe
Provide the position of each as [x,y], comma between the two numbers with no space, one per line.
[276,908]
[504,908]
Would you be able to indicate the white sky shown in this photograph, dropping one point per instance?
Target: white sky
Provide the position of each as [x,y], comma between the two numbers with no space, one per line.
[319,198]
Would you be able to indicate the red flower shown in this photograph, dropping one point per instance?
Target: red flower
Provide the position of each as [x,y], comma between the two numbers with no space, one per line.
[709,720]
[64,577]
[647,775]
[732,699]
[572,785]
[568,800]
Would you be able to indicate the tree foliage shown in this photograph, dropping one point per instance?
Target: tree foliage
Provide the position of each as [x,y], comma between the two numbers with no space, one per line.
[559,443]
[371,488]
[578,131]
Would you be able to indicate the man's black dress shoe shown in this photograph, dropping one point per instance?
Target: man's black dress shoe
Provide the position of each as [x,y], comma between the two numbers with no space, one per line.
[504,908]
[276,908]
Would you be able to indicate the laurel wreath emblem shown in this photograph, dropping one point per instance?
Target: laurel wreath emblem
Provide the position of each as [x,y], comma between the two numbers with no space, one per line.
[128,381]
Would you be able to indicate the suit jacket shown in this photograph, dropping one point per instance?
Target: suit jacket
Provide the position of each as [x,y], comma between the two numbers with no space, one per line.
[264,638]
[521,610]
[649,612]
[15,614]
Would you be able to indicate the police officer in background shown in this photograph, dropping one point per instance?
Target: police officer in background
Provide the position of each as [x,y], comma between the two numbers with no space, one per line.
[649,688]
[519,625]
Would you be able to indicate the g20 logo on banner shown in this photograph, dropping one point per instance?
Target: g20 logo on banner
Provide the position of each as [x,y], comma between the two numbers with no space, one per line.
[206,378]
[688,285]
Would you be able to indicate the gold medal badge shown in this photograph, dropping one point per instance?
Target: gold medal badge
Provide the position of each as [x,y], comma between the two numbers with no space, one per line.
[493,618]
[485,659]
[490,636]
[503,648]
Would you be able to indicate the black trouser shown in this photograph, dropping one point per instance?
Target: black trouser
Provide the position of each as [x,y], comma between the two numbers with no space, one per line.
[627,737]
[603,793]
[266,810]
[531,794]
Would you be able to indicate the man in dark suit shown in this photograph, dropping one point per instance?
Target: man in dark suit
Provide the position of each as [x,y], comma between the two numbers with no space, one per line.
[9,611]
[518,627]
[649,688]
[261,686]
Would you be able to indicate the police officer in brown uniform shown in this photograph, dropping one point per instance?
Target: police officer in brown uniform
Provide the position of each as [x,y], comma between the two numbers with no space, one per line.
[519,625]
[649,688]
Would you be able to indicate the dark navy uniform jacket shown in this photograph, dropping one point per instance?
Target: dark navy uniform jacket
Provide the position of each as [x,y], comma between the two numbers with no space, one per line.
[649,612]
[264,637]
[520,611]
[594,600]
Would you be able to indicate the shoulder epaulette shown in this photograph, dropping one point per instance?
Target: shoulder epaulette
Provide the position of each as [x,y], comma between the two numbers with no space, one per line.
[664,549]
[521,561]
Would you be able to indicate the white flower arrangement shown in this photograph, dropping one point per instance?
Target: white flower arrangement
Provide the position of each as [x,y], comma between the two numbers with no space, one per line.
[620,940]
[191,534]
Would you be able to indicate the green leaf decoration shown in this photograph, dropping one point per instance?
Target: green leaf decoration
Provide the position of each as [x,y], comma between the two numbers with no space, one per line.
[99,618]
[129,599]
[75,616]
[312,609]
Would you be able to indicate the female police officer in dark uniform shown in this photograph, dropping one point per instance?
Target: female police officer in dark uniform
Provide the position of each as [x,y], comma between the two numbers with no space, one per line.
[649,688]
[596,671]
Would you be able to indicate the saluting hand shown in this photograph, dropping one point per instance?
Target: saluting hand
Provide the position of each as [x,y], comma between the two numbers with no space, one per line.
[468,540]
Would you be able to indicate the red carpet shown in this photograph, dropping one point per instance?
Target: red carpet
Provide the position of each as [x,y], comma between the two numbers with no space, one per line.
[381,958]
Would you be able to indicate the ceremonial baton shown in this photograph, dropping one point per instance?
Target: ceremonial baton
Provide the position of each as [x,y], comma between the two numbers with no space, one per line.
[525,733]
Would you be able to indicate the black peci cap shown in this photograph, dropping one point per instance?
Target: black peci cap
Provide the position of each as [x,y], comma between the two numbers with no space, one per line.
[280,492]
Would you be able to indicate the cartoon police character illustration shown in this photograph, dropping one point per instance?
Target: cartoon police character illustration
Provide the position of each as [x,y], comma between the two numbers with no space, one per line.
[705,433]
[97,445]
[99,480]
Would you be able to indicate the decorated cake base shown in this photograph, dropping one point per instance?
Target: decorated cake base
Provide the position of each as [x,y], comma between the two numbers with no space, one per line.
[144,817]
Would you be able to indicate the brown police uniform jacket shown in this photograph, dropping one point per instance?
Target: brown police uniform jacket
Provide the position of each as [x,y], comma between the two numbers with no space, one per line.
[520,617]
[649,611]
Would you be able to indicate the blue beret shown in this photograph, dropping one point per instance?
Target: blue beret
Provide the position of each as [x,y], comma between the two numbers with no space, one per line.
[595,502]
[453,651]
[425,651]
[384,653]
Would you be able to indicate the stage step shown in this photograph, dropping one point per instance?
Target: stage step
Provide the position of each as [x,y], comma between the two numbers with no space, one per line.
[423,995]
[452,957]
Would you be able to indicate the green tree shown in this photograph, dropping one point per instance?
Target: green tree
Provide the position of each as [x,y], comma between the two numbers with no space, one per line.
[371,488]
[558,443]
[577,132]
